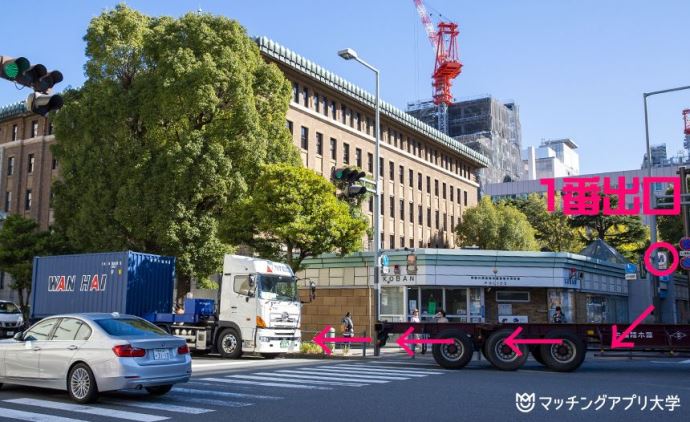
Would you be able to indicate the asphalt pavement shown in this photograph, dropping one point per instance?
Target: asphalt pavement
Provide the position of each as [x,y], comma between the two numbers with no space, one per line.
[391,388]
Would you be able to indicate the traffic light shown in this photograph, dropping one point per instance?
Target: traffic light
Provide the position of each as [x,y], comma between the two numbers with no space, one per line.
[43,104]
[348,176]
[36,77]
[10,67]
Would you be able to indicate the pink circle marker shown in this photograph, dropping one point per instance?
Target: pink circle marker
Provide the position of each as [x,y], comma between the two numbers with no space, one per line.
[648,255]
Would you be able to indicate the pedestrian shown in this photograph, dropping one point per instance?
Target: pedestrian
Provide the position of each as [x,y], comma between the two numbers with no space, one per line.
[348,329]
[414,319]
[558,317]
[441,316]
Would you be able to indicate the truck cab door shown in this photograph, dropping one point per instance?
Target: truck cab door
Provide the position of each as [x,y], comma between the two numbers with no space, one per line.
[238,305]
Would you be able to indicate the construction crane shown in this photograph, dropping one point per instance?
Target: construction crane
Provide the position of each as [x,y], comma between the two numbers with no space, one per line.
[447,67]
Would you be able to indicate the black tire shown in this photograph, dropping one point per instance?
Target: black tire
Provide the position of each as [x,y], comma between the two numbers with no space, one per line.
[536,354]
[564,357]
[270,355]
[229,344]
[159,390]
[500,355]
[81,384]
[456,355]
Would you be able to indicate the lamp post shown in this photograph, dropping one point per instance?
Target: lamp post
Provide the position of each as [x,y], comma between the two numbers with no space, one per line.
[350,54]
[652,223]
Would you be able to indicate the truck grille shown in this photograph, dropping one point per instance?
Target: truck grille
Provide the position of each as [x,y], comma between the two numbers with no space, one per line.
[9,324]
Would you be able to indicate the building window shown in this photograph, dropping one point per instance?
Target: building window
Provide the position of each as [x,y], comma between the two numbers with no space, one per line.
[436,187]
[451,193]
[351,115]
[334,114]
[305,96]
[317,103]
[401,174]
[382,207]
[319,143]
[428,217]
[380,167]
[8,201]
[392,240]
[370,162]
[358,157]
[295,92]
[27,200]
[445,221]
[465,198]
[305,138]
[289,126]
[334,149]
[402,210]
[512,296]
[444,190]
[325,106]
[452,223]
[359,121]
[419,215]
[15,132]
[343,115]
[34,128]
[459,191]
[419,181]
[346,153]
[438,218]
[410,177]
[428,184]
[10,166]
[54,164]
[30,166]
[392,206]
[411,216]
[371,204]
[50,128]
[391,171]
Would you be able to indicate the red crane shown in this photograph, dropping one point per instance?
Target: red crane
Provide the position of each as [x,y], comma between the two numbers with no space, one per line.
[447,67]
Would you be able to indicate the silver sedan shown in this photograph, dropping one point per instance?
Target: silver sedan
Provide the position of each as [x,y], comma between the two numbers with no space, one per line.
[90,353]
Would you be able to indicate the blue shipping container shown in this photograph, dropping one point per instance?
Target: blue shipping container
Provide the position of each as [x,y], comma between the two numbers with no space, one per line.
[126,282]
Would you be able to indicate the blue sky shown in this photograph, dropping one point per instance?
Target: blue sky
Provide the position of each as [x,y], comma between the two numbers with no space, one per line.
[576,68]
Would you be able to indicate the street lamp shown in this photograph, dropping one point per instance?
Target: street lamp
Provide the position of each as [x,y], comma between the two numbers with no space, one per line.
[350,54]
[652,222]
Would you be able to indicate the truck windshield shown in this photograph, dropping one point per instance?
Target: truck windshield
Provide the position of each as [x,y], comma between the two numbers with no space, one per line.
[8,308]
[277,287]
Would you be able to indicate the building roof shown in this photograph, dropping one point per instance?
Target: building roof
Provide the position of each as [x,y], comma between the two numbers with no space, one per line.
[293,60]
[566,141]
[13,110]
[598,249]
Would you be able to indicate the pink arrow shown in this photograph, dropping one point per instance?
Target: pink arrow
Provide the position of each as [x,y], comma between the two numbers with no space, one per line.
[616,341]
[512,341]
[403,341]
[321,340]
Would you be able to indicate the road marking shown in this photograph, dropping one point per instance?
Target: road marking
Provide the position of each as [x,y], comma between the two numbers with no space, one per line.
[90,410]
[174,398]
[266,384]
[404,363]
[221,393]
[289,378]
[374,371]
[243,363]
[368,378]
[34,417]
[158,406]
[392,369]
[307,375]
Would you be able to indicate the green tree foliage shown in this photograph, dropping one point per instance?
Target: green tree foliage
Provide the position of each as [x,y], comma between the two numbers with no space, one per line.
[670,226]
[552,229]
[20,241]
[174,119]
[625,233]
[294,214]
[496,226]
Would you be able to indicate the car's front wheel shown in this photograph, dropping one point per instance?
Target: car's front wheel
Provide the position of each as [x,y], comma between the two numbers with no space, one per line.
[81,384]
[159,390]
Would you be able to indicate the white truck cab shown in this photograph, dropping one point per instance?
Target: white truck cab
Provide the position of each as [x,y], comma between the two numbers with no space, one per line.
[259,309]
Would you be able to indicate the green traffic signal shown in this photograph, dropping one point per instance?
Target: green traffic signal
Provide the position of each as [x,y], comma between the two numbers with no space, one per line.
[11,68]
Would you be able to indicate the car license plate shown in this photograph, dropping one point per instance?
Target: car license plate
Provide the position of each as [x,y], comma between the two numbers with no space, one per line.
[284,344]
[161,354]
[10,333]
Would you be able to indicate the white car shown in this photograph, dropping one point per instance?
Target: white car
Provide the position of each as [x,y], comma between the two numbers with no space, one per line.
[90,353]
[11,319]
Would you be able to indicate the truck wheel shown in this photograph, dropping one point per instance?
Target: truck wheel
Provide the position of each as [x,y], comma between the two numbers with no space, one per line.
[500,355]
[229,344]
[536,354]
[564,357]
[456,355]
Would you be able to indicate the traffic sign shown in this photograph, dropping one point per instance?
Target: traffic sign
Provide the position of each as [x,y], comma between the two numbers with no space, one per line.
[630,268]
[685,263]
[385,260]
[684,253]
[662,260]
[684,243]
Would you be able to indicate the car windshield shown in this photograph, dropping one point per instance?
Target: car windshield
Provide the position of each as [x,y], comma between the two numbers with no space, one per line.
[129,327]
[277,287]
[8,308]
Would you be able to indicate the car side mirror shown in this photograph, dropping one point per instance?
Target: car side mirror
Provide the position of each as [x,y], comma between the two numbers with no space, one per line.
[19,336]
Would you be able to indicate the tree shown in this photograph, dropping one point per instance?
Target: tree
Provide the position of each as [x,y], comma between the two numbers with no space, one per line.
[20,241]
[670,226]
[495,226]
[294,214]
[552,229]
[625,233]
[174,119]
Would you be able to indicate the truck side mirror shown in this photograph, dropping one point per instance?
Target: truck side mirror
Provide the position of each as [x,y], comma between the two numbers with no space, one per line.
[252,282]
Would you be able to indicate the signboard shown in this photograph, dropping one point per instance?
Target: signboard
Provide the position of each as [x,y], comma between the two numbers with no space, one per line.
[630,271]
[684,253]
[685,263]
[385,260]
[631,276]
[662,260]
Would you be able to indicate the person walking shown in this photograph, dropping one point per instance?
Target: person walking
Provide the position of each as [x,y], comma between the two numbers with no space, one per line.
[414,318]
[348,329]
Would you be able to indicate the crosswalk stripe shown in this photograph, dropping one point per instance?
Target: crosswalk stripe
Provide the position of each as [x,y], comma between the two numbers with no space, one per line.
[337,380]
[174,398]
[266,384]
[221,393]
[392,368]
[367,368]
[356,371]
[91,410]
[405,363]
[158,406]
[261,376]
[327,377]
[354,377]
[34,417]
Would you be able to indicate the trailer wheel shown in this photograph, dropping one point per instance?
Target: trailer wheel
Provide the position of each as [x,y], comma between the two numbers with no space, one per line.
[500,355]
[536,354]
[229,344]
[564,357]
[456,355]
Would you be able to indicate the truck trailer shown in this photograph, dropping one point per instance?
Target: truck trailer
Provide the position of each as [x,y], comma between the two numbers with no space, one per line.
[257,309]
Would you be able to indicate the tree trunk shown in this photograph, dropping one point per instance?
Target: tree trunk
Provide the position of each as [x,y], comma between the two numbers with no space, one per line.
[184,286]
[22,303]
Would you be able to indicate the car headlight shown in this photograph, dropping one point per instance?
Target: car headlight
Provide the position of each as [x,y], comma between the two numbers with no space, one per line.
[20,320]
